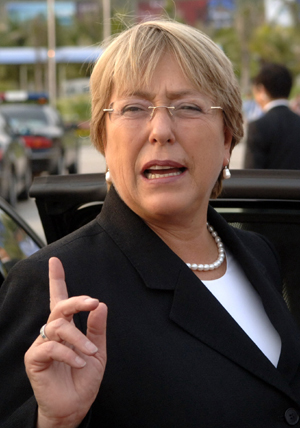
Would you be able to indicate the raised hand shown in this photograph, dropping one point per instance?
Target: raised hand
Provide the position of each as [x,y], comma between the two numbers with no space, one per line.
[66,368]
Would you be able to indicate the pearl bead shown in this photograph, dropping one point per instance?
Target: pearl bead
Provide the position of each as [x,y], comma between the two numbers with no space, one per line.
[221,252]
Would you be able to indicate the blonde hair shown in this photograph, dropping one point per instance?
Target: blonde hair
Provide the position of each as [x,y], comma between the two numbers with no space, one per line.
[130,58]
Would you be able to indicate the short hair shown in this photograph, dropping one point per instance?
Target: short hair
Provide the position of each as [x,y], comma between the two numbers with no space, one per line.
[276,79]
[130,58]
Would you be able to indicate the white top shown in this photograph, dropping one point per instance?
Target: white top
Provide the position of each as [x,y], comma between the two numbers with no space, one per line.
[234,291]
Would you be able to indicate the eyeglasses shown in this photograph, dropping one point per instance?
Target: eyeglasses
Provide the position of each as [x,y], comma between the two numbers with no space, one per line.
[141,111]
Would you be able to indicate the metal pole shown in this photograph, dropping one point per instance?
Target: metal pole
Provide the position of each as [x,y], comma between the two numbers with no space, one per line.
[51,52]
[106,18]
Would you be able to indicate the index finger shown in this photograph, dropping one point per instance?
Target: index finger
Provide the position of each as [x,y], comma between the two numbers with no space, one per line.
[57,283]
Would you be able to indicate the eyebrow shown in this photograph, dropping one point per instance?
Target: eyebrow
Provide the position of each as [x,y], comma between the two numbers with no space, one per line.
[172,95]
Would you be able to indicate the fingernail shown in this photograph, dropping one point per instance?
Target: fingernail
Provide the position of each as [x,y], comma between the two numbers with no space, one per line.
[91,347]
[80,362]
[90,299]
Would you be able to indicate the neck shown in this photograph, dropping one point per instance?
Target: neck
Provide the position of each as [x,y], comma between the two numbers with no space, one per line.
[193,244]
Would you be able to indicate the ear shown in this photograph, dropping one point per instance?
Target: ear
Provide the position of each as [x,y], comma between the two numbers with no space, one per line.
[227,146]
[261,95]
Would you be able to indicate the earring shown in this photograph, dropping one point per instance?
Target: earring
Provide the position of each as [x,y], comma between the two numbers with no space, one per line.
[226,173]
[108,177]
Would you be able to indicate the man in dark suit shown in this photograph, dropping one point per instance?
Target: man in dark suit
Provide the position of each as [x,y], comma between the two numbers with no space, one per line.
[273,140]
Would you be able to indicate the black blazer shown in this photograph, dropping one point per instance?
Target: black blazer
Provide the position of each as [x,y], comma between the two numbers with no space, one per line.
[176,358]
[273,140]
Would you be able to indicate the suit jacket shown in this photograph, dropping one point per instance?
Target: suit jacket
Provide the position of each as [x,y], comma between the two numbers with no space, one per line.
[273,140]
[176,358]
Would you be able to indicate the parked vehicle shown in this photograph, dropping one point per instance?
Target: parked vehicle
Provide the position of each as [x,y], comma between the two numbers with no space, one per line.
[54,146]
[15,164]
[17,239]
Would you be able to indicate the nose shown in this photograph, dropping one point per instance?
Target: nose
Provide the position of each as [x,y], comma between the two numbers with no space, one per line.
[161,127]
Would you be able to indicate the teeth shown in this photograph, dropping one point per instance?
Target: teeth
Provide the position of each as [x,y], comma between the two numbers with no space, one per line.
[160,167]
[152,176]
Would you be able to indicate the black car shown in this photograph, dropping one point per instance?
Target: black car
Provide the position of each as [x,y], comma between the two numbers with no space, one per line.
[15,164]
[264,201]
[54,146]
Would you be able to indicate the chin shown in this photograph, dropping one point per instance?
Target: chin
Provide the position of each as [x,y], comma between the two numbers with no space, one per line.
[166,206]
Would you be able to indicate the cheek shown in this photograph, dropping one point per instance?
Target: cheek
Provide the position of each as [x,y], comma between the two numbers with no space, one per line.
[208,140]
[208,150]
[113,145]
[121,157]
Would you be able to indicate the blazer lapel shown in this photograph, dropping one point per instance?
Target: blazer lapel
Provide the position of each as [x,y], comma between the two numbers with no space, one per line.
[197,311]
[272,300]
[194,308]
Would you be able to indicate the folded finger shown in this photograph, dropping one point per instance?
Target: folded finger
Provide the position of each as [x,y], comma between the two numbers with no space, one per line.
[39,358]
[68,307]
[61,330]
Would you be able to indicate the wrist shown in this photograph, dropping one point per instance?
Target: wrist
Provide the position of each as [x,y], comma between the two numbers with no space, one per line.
[47,422]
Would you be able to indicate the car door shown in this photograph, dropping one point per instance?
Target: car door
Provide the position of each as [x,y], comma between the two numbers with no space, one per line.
[17,240]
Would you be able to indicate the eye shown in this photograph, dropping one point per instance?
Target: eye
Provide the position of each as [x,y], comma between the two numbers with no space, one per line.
[190,107]
[132,108]
[134,111]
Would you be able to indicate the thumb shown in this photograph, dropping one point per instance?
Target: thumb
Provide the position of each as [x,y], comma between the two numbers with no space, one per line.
[96,330]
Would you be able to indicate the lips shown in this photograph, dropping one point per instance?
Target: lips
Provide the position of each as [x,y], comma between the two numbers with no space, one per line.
[162,169]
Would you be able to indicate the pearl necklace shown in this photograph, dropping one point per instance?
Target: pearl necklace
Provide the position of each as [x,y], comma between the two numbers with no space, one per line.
[220,258]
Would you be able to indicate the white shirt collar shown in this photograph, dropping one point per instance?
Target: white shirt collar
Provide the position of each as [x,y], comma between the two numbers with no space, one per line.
[275,103]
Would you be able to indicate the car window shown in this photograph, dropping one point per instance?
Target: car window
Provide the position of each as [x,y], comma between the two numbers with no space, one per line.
[2,123]
[54,117]
[15,243]
[24,118]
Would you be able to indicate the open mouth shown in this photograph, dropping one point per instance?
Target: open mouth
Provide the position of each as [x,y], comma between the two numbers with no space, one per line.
[157,171]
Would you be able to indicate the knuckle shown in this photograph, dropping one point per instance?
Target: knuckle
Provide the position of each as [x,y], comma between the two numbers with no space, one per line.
[61,304]
[58,322]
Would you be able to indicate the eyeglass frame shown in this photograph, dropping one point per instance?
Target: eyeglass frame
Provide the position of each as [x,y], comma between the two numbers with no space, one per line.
[153,108]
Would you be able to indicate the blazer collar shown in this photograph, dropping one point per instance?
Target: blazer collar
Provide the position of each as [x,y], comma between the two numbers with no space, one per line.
[194,308]
[145,250]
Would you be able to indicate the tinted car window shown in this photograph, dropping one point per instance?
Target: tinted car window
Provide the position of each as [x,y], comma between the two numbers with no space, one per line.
[54,117]
[2,124]
[25,117]
[15,243]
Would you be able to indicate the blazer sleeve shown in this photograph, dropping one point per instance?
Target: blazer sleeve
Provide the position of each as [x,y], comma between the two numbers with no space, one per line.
[24,308]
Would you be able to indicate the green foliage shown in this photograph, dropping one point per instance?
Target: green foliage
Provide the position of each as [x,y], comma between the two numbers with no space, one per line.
[274,44]
[227,39]
[247,43]
[75,109]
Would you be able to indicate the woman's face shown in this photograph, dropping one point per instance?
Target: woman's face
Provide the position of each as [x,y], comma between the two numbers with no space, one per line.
[164,169]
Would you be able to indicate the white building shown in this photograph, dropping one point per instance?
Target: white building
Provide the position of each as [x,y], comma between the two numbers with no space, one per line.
[279,12]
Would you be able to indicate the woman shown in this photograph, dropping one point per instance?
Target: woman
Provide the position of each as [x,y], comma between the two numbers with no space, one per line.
[197,336]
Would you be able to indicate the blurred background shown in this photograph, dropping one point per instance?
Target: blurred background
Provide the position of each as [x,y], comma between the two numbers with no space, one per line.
[49,46]
[47,50]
